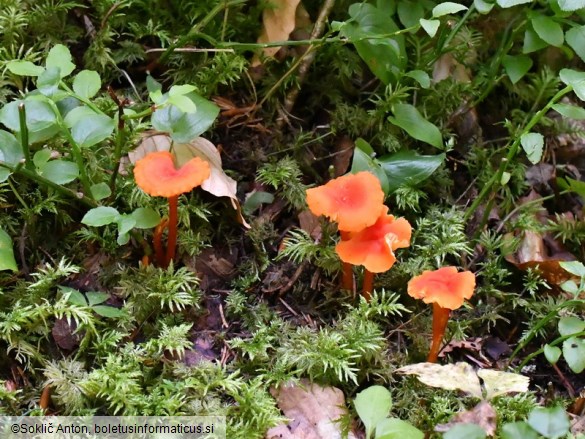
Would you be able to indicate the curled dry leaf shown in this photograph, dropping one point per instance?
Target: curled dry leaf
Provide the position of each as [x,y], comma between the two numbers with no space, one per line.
[482,415]
[218,183]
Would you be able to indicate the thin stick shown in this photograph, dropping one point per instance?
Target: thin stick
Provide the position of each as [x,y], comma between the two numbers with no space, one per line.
[172,238]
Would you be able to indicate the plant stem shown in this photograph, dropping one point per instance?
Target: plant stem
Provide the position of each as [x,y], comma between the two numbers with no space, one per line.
[28,163]
[541,350]
[140,115]
[172,236]
[514,147]
[440,319]
[368,285]
[347,270]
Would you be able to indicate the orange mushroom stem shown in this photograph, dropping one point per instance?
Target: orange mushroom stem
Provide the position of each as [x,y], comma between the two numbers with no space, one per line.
[347,278]
[172,236]
[446,289]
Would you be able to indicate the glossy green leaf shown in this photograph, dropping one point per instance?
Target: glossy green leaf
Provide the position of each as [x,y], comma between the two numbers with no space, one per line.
[60,57]
[552,353]
[145,218]
[48,81]
[548,30]
[386,57]
[91,130]
[552,423]
[100,191]
[108,311]
[123,238]
[152,84]
[100,216]
[447,8]
[518,430]
[10,153]
[532,42]
[576,80]
[410,12]
[421,77]
[574,354]
[574,267]
[40,118]
[393,428]
[570,111]
[183,103]
[510,3]
[181,90]
[410,120]
[483,7]
[372,405]
[87,83]
[575,38]
[516,66]
[96,297]
[125,224]
[571,325]
[571,5]
[24,68]
[533,145]
[363,161]
[77,114]
[59,171]
[7,261]
[255,200]
[465,431]
[430,26]
[407,168]
[73,296]
[570,287]
[39,115]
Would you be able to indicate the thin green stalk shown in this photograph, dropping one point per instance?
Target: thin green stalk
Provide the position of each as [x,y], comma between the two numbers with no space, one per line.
[140,115]
[541,350]
[513,150]
[80,98]
[28,163]
[17,195]
[76,151]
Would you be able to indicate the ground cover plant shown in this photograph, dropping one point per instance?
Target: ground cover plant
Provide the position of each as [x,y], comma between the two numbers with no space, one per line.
[231,207]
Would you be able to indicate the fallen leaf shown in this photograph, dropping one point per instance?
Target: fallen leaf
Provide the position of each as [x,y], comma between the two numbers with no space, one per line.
[313,412]
[498,383]
[64,334]
[482,415]
[495,348]
[472,344]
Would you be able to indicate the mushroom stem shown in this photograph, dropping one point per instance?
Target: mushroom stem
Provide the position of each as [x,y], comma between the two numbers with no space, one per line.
[159,255]
[440,319]
[347,273]
[172,237]
[368,286]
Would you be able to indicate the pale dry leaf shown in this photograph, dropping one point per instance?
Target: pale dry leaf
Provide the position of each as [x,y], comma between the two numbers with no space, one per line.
[499,383]
[279,20]
[313,411]
[458,376]
[482,415]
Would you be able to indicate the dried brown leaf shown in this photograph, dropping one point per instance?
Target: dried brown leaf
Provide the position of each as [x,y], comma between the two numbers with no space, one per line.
[482,415]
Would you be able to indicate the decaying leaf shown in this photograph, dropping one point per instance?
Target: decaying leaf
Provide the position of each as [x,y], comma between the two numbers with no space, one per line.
[482,415]
[461,376]
[218,183]
[313,411]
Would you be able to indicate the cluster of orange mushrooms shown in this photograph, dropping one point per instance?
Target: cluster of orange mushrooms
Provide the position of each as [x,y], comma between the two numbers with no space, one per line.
[370,236]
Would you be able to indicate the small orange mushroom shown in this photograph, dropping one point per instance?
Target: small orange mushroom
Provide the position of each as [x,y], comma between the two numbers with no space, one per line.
[157,175]
[374,246]
[354,201]
[446,289]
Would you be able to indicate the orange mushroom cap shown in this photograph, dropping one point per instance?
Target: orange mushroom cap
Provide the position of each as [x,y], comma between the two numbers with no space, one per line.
[354,201]
[373,247]
[156,174]
[445,287]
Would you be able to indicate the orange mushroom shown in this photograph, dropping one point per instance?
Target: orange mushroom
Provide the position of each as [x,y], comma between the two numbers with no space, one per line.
[354,201]
[374,246]
[157,175]
[446,289]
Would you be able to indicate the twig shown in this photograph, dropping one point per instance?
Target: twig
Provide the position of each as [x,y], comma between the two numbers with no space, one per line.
[189,50]
[223,320]
[287,306]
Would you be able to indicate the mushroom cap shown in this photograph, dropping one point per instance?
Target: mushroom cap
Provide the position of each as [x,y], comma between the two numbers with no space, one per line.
[156,174]
[354,201]
[445,287]
[373,247]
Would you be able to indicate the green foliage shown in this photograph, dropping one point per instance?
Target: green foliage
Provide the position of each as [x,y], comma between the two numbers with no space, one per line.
[285,177]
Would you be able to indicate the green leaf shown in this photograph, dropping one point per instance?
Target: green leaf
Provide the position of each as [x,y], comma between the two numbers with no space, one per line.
[533,145]
[123,238]
[516,66]
[24,68]
[570,287]
[465,431]
[571,325]
[59,171]
[407,168]
[552,353]
[100,216]
[392,428]
[576,80]
[145,218]
[570,111]
[125,224]
[551,423]
[74,296]
[447,8]
[100,191]
[41,157]
[255,199]
[532,42]
[574,267]
[372,405]
[39,115]
[77,114]
[575,38]
[7,261]
[510,3]
[96,297]
[87,83]
[482,6]
[152,84]
[386,57]
[505,178]
[48,81]
[10,153]
[430,26]
[410,120]
[410,12]
[421,77]
[518,430]
[108,311]
[60,57]
[181,90]
[92,130]
[574,354]
[548,30]
[183,103]
[362,161]
[571,5]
